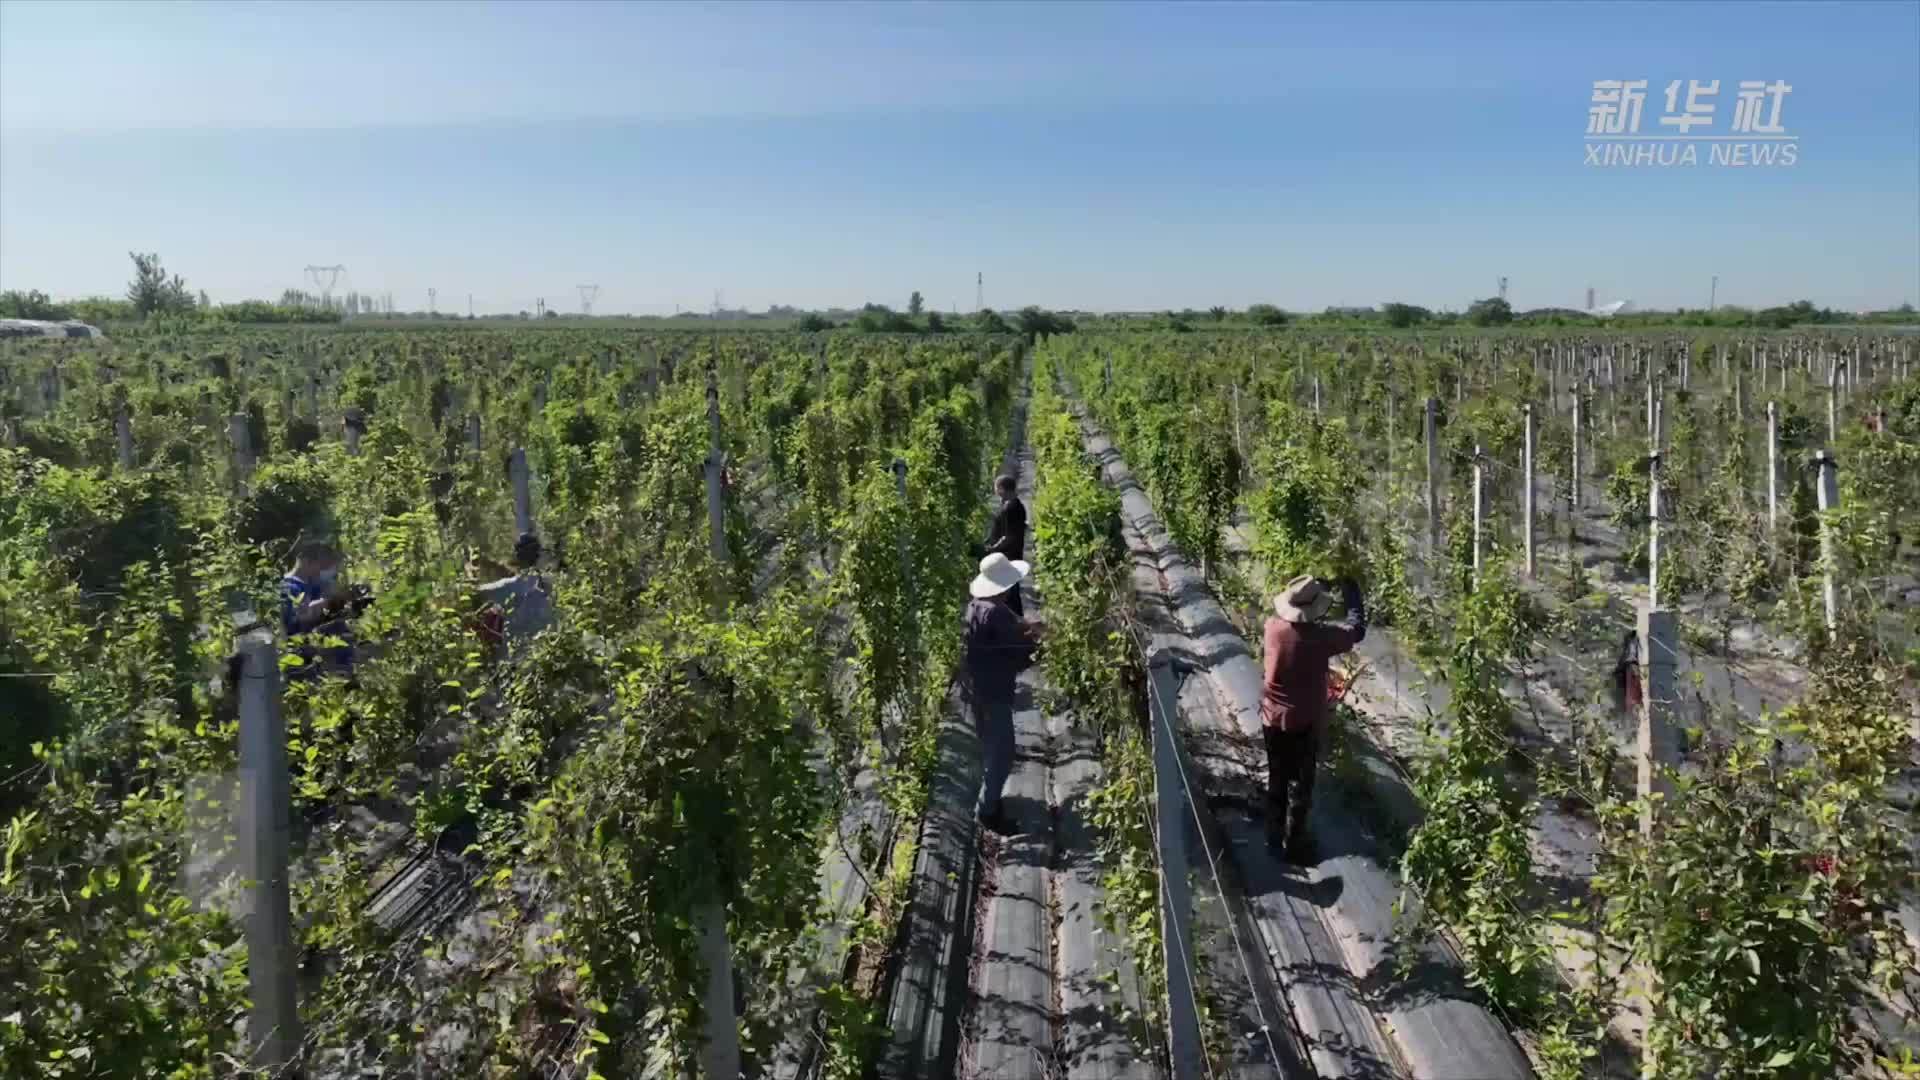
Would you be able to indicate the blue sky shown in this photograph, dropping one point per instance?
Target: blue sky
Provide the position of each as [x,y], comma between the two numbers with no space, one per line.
[1083,156]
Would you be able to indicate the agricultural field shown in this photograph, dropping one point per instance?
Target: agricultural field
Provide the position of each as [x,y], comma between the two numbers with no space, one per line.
[716,817]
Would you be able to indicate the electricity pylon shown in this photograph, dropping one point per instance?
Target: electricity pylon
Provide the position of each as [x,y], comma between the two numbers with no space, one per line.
[587,295]
[324,278]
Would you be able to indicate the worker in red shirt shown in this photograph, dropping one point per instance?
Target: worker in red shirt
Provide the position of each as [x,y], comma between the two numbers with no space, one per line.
[1300,642]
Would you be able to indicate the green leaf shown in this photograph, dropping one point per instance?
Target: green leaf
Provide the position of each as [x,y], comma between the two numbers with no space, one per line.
[1781,1060]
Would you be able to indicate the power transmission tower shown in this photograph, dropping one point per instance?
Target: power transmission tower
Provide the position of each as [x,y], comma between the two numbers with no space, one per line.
[1503,288]
[433,301]
[587,295]
[979,292]
[1713,292]
[469,305]
[324,278]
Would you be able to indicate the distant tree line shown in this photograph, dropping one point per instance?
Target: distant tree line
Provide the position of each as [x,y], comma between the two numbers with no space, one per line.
[154,294]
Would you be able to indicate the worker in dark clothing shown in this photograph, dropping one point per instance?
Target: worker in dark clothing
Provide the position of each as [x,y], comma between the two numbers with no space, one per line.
[1293,704]
[998,647]
[1009,533]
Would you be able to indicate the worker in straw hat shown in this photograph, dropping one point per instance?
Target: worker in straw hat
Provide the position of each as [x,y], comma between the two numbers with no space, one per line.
[1300,642]
[998,647]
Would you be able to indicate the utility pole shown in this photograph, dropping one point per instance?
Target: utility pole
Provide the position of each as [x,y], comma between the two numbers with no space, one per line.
[1713,292]
[979,292]
[469,305]
[433,301]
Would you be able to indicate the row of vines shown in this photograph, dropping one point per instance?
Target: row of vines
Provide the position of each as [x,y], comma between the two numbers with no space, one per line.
[1757,930]
[685,733]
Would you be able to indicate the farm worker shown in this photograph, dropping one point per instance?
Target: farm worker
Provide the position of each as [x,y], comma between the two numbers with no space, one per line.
[520,603]
[998,647]
[1293,704]
[1008,535]
[314,604]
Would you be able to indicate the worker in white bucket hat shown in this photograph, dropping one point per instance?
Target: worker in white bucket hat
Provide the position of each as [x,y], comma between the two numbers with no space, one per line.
[1299,645]
[998,647]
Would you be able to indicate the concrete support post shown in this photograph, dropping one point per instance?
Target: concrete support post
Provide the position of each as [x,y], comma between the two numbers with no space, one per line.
[1526,495]
[1659,749]
[242,440]
[1176,900]
[522,491]
[265,828]
[352,426]
[473,432]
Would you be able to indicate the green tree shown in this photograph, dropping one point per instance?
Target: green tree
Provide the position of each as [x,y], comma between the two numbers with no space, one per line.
[1493,311]
[152,292]
[935,324]
[813,323]
[1219,313]
[1037,324]
[1404,315]
[914,303]
[1267,315]
[15,304]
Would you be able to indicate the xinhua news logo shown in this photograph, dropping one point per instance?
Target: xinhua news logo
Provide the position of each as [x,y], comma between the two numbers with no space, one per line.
[1756,137]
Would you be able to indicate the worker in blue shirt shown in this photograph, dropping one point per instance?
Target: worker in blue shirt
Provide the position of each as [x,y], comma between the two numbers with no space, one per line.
[314,605]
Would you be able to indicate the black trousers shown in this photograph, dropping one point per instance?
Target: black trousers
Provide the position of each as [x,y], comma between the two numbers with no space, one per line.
[1292,757]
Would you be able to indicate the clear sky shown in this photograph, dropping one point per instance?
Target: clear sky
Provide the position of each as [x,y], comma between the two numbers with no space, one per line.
[1132,156]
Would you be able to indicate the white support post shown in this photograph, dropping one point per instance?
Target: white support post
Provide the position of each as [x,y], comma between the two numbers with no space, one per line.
[522,491]
[473,431]
[274,1025]
[352,426]
[1575,485]
[1237,446]
[1653,529]
[1773,466]
[1176,900]
[123,432]
[1479,510]
[1433,475]
[242,441]
[313,399]
[1526,499]
[1316,395]
[1833,408]
[1827,487]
